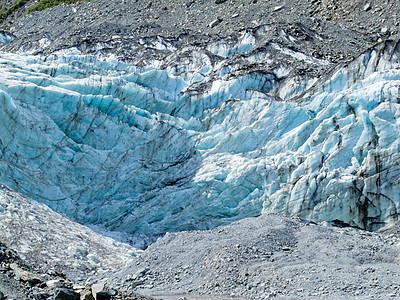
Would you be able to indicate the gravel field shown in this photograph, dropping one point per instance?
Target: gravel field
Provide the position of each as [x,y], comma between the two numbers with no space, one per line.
[344,29]
[269,256]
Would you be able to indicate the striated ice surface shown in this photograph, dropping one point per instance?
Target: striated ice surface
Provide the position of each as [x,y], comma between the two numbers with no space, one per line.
[5,37]
[192,142]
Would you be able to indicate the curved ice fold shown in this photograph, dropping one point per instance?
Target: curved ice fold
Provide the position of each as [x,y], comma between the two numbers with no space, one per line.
[198,144]
[6,37]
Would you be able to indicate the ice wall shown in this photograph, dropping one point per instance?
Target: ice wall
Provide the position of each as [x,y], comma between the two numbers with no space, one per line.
[198,142]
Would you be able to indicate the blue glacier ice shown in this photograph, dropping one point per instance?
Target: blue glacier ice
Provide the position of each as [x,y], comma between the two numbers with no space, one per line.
[5,37]
[193,142]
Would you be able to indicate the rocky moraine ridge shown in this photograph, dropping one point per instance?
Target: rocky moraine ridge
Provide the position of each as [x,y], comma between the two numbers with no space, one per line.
[205,133]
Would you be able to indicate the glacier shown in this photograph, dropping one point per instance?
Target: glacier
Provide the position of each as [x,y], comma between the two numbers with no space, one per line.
[196,138]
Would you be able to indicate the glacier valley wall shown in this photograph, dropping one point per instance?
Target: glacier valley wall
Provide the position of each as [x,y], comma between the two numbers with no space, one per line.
[202,137]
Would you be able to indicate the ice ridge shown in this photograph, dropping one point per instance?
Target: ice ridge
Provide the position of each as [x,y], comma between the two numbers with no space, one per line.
[147,149]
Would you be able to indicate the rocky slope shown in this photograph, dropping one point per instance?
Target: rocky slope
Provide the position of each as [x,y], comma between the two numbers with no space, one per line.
[344,30]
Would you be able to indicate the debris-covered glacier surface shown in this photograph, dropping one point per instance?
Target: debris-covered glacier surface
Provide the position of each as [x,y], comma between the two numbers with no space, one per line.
[199,139]
[45,239]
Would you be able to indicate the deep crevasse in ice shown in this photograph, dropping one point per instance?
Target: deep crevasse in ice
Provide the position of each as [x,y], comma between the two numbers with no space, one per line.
[197,144]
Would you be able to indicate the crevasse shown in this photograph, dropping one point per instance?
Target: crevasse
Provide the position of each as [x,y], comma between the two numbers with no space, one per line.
[199,143]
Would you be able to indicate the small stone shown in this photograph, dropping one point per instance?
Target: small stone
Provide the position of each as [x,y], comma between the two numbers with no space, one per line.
[367,7]
[40,296]
[103,296]
[66,294]
[136,283]
[23,275]
[52,284]
[384,30]
[276,8]
[216,22]
[78,287]
[86,294]
[374,37]
[142,272]
[97,288]
[33,280]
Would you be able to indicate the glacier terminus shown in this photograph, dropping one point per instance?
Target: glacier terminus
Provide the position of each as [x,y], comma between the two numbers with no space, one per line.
[194,139]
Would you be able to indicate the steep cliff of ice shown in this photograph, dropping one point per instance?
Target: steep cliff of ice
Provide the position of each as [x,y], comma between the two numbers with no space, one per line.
[203,137]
